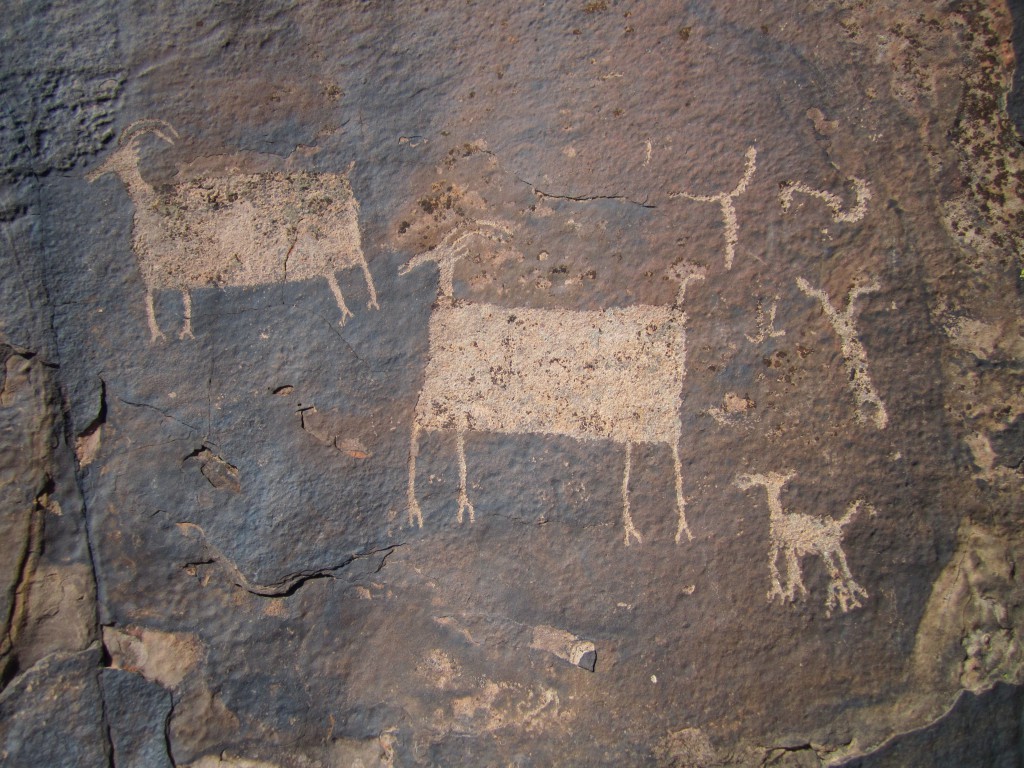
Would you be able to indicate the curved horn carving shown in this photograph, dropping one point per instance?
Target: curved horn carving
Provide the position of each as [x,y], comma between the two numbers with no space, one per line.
[161,128]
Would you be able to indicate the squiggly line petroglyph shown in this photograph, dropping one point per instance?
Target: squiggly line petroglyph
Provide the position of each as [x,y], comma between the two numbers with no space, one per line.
[613,374]
[834,202]
[724,199]
[869,404]
[237,230]
[794,535]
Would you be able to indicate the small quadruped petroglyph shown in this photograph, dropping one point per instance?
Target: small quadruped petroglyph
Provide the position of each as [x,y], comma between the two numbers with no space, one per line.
[794,535]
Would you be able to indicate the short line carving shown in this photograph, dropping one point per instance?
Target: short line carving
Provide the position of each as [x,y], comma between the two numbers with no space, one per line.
[613,374]
[725,199]
[834,202]
[464,504]
[869,404]
[766,325]
[627,519]
[794,535]
[238,229]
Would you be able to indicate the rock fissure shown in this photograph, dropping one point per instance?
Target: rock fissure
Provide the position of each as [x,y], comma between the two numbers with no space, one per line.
[585,198]
[107,729]
[287,585]
[572,198]
[161,411]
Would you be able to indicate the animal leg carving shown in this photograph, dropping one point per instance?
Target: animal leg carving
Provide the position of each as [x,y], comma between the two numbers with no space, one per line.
[627,521]
[843,591]
[186,329]
[463,496]
[155,334]
[776,580]
[332,281]
[794,579]
[372,303]
[415,513]
[680,501]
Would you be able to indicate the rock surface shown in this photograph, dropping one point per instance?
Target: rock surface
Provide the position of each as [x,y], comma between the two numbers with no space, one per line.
[594,383]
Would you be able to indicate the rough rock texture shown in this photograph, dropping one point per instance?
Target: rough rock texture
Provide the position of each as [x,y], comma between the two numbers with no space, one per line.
[586,383]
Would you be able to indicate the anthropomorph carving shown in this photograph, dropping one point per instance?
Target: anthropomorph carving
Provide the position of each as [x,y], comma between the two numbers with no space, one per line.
[869,404]
[724,199]
[794,535]
[613,374]
[237,230]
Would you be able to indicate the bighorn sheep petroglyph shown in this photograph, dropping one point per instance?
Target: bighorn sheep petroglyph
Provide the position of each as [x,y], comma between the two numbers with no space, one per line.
[797,535]
[613,374]
[238,229]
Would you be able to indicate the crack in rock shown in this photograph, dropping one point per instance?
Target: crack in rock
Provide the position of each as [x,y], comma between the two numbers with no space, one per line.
[284,587]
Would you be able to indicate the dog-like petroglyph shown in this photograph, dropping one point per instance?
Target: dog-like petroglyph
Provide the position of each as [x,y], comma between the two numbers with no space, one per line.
[725,200]
[613,374]
[834,202]
[236,230]
[869,404]
[795,535]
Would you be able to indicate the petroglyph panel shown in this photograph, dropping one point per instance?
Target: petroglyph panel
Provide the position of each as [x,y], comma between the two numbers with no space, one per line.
[277,506]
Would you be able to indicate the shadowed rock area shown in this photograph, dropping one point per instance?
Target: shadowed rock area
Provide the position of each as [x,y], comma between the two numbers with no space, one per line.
[590,383]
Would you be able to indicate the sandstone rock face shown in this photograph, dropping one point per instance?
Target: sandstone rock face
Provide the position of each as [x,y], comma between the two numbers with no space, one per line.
[591,383]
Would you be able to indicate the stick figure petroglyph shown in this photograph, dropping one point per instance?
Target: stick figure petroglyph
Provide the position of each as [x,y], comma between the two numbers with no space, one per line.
[869,404]
[795,535]
[724,199]
[834,202]
[238,229]
[613,374]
